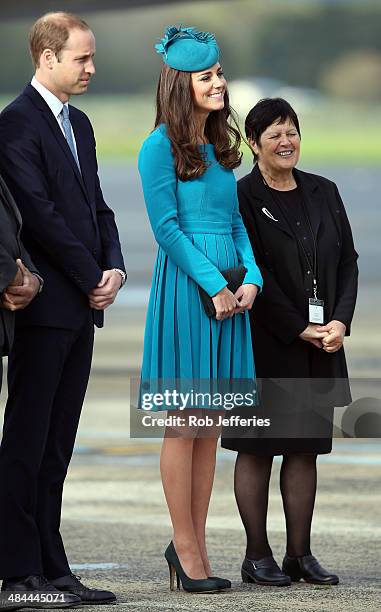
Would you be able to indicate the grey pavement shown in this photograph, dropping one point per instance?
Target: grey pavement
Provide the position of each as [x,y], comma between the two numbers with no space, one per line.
[115,512]
[115,522]
[116,527]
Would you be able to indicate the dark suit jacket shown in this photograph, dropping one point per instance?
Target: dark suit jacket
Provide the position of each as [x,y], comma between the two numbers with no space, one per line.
[280,312]
[68,229]
[11,248]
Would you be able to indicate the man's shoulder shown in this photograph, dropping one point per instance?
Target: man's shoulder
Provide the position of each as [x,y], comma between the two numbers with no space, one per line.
[79,115]
[20,106]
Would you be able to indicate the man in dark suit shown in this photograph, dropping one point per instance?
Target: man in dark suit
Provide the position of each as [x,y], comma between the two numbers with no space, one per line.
[48,158]
[19,282]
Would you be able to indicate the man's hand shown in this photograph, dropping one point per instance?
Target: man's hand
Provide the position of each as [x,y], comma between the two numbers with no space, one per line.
[18,279]
[335,336]
[311,334]
[105,292]
[225,304]
[17,297]
[245,295]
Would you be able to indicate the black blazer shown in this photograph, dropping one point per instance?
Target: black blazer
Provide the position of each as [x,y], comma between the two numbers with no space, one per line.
[68,229]
[11,248]
[280,312]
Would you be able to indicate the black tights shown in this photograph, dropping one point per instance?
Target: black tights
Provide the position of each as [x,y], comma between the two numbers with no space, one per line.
[298,489]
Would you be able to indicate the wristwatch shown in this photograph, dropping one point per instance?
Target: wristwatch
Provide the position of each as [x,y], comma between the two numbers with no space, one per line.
[122,274]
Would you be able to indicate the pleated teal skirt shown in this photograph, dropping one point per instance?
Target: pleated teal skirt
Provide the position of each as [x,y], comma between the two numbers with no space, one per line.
[181,342]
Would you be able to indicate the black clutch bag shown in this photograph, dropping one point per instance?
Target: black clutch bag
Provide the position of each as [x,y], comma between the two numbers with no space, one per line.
[234,276]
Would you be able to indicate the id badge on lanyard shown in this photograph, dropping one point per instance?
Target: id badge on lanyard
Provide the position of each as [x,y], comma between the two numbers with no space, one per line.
[316,308]
[316,311]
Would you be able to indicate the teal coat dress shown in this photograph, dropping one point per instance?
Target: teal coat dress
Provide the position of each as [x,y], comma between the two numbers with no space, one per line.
[199,231]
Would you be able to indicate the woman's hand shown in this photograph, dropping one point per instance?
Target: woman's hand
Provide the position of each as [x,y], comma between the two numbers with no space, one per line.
[245,295]
[311,334]
[225,304]
[334,339]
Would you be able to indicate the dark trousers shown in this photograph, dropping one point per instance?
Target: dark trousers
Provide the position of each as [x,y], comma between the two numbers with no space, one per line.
[48,372]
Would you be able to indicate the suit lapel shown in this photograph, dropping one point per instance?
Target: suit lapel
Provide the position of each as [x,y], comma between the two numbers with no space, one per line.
[50,119]
[80,139]
[266,204]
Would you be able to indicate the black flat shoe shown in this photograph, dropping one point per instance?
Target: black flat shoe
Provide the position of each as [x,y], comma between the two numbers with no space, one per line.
[203,585]
[308,568]
[223,583]
[265,571]
[72,584]
[36,592]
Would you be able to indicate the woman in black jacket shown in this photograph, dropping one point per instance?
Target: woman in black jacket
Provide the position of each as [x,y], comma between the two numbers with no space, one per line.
[303,245]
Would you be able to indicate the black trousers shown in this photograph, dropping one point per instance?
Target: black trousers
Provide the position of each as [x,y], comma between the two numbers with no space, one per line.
[48,372]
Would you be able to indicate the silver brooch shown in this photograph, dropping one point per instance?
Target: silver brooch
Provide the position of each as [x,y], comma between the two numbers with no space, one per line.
[268,214]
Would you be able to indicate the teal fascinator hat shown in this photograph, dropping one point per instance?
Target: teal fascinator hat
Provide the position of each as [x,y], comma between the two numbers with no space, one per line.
[188,49]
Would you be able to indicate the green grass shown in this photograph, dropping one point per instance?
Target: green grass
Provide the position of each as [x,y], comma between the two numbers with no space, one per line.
[333,133]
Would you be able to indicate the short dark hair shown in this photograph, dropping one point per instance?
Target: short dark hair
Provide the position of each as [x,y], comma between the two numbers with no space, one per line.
[264,113]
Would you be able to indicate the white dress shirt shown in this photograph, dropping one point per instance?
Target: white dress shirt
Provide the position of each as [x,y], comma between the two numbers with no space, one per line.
[54,104]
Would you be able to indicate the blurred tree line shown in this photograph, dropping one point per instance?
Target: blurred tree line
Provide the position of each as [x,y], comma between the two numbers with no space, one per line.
[332,46]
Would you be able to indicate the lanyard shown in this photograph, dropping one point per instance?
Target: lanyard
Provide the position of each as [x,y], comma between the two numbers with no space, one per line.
[313,268]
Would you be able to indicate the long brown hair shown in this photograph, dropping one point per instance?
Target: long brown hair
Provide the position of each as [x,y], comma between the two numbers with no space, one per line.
[175,108]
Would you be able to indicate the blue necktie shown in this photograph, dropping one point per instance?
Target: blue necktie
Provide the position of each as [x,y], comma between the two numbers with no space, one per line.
[68,133]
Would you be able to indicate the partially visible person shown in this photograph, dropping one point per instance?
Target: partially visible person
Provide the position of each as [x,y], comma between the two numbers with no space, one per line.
[19,280]
[303,245]
[48,159]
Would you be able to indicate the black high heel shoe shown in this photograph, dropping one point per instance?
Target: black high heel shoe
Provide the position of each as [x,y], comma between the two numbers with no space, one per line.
[202,585]
[223,583]
[308,568]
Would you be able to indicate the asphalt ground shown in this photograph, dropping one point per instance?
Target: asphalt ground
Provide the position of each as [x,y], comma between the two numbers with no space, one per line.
[116,526]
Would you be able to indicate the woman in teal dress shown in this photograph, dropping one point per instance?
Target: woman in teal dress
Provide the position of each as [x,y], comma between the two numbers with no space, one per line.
[186,167]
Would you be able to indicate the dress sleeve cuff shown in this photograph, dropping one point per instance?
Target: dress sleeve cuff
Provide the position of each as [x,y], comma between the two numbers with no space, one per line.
[254,277]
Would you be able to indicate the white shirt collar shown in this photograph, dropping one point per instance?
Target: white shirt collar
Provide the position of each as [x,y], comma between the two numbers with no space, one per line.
[51,100]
